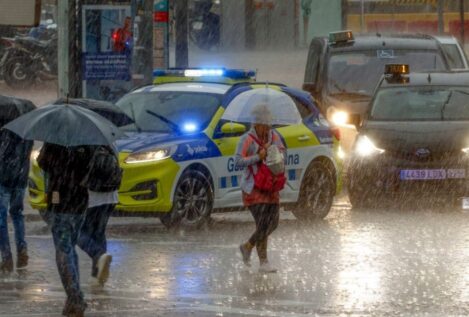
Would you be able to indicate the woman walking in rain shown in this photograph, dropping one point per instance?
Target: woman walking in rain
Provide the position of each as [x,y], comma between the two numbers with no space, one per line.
[262,200]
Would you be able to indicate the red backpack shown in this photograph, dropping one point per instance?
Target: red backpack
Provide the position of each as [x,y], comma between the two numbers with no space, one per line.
[264,179]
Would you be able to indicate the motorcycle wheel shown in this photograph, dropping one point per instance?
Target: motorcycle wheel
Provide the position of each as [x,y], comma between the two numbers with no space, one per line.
[18,72]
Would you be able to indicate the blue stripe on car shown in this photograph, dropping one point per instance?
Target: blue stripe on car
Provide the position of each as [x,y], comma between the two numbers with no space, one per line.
[223,182]
[201,148]
[234,181]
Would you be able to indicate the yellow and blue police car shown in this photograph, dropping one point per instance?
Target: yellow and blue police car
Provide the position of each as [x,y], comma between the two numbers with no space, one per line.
[178,157]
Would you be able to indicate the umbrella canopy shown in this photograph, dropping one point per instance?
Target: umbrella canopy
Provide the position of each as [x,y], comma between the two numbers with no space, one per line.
[65,125]
[11,108]
[105,109]
[245,107]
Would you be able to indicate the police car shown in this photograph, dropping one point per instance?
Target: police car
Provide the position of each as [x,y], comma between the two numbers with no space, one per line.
[414,139]
[342,70]
[178,158]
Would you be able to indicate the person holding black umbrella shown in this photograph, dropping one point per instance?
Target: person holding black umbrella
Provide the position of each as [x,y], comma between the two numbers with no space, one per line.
[14,155]
[102,181]
[69,133]
[66,167]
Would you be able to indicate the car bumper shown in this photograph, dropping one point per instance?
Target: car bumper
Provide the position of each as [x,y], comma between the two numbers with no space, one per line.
[386,174]
[146,188]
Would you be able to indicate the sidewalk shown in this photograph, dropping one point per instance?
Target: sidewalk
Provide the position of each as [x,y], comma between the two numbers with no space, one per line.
[30,214]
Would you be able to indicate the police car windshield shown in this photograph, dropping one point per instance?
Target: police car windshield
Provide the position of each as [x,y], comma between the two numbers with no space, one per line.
[421,104]
[169,111]
[358,72]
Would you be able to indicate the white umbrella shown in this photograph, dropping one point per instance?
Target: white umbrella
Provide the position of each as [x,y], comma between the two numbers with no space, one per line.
[282,108]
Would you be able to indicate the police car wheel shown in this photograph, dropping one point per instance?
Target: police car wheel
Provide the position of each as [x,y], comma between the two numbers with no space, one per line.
[193,201]
[317,193]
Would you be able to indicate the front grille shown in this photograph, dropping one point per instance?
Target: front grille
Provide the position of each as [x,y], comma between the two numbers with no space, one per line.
[415,156]
[149,186]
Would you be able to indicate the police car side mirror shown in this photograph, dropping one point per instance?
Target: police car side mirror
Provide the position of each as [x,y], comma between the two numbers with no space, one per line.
[355,119]
[233,128]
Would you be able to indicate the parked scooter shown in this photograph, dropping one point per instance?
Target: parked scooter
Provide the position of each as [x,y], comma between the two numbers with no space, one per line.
[29,60]
[7,34]
[204,25]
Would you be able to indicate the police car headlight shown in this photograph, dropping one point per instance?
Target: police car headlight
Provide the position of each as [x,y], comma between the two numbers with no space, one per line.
[150,156]
[466,150]
[365,147]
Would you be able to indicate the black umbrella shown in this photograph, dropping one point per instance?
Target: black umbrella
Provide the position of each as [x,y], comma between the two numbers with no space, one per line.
[106,109]
[11,108]
[65,125]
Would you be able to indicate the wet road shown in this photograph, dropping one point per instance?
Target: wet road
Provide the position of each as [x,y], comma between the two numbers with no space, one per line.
[354,263]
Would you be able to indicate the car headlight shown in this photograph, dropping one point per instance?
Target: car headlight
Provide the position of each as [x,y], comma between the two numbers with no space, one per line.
[339,117]
[150,155]
[365,147]
[466,150]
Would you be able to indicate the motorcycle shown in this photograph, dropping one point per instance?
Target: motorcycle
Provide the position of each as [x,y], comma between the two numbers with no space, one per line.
[204,25]
[5,43]
[28,60]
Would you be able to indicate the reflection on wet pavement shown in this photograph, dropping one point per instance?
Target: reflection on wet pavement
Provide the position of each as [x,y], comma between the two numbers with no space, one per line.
[354,263]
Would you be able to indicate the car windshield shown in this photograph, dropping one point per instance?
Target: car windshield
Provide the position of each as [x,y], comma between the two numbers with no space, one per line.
[169,111]
[356,73]
[421,103]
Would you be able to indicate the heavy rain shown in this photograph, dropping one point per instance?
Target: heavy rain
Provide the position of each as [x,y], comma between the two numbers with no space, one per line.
[234,158]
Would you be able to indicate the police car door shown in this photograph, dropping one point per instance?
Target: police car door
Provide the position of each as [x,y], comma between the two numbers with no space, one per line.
[228,177]
[301,145]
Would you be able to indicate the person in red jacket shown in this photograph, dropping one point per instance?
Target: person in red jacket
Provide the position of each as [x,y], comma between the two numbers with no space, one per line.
[264,205]
[122,37]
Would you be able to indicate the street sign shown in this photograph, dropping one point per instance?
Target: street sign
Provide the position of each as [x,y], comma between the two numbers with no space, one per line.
[20,12]
[107,49]
[161,34]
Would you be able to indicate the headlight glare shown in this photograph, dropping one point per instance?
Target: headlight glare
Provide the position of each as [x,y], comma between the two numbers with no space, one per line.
[339,117]
[466,150]
[150,156]
[365,147]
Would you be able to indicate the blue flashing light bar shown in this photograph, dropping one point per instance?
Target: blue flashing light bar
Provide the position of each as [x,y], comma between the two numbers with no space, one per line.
[205,72]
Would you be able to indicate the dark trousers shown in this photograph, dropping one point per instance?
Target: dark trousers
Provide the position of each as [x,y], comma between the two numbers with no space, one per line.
[92,237]
[11,200]
[65,230]
[266,217]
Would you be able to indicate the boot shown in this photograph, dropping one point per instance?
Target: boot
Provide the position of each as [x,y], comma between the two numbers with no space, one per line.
[261,247]
[7,265]
[264,265]
[246,249]
[22,260]
[74,309]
